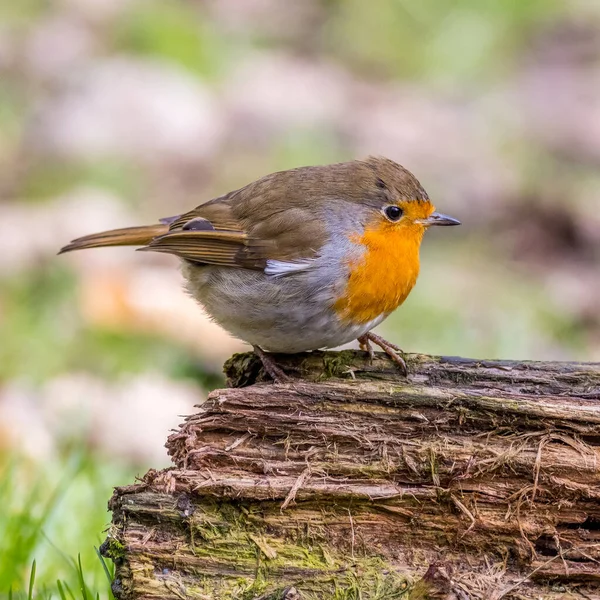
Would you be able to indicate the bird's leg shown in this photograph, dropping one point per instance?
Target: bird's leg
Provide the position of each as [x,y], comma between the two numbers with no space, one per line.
[366,346]
[275,372]
[390,349]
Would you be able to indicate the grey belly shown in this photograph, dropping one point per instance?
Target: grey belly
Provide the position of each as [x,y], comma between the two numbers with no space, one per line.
[287,314]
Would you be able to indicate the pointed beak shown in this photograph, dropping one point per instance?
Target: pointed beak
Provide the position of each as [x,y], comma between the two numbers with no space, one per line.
[437,218]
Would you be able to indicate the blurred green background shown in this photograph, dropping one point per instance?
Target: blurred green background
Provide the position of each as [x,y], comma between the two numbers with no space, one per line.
[118,112]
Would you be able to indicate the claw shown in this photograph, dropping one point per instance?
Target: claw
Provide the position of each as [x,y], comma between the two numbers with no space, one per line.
[390,349]
[269,365]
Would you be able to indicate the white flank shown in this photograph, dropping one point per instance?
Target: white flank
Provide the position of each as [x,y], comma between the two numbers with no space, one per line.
[277,268]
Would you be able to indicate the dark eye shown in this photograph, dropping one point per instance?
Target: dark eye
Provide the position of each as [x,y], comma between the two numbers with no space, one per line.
[393,213]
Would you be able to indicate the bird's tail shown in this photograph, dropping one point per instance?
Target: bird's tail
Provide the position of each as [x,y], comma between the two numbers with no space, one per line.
[129,236]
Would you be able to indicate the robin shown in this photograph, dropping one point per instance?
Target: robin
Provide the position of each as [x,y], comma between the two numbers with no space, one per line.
[309,258]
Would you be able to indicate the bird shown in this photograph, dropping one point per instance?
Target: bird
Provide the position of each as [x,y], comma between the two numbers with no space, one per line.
[299,260]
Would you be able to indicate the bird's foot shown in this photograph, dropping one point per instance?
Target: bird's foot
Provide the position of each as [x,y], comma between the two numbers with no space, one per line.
[367,340]
[269,365]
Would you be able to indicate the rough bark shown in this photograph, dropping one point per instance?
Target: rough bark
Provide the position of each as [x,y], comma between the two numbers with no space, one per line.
[468,480]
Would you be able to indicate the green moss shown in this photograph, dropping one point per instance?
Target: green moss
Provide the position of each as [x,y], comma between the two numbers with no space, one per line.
[336,364]
[241,369]
[255,589]
[300,557]
[114,549]
[363,580]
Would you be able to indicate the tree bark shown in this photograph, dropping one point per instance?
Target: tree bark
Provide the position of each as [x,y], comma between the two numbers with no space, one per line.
[471,479]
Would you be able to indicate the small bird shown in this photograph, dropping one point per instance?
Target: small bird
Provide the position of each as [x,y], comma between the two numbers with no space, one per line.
[309,258]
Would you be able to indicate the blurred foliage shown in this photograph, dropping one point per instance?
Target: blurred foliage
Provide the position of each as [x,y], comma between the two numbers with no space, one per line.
[175,31]
[303,147]
[21,12]
[518,321]
[436,41]
[50,180]
[44,338]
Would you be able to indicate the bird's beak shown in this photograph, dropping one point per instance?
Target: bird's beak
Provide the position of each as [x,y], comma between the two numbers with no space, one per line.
[437,218]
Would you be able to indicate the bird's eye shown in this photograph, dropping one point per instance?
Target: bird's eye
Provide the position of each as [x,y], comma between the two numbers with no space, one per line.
[393,213]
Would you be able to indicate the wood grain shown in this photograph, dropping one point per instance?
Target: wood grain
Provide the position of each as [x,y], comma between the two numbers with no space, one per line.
[468,480]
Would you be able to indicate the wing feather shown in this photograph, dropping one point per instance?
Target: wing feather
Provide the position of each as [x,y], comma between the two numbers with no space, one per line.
[276,221]
[223,248]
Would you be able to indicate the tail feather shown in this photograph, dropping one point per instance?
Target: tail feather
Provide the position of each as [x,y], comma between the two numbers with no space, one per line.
[129,236]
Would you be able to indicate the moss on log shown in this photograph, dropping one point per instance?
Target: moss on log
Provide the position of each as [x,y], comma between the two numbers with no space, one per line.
[468,480]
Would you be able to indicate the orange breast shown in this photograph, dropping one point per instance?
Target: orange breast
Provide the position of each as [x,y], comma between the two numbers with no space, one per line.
[381,279]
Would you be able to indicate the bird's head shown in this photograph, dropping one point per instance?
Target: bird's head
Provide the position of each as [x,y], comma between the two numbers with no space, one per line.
[399,203]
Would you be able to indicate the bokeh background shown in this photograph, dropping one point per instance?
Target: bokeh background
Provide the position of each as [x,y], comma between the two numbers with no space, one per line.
[118,112]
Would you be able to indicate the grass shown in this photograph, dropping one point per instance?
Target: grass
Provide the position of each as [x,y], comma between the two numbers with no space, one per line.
[63,590]
[53,519]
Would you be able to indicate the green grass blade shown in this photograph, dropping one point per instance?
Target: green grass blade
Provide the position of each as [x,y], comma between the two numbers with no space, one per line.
[31,581]
[107,572]
[70,591]
[83,587]
[61,591]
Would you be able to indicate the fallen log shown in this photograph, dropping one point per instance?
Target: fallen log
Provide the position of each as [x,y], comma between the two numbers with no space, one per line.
[471,479]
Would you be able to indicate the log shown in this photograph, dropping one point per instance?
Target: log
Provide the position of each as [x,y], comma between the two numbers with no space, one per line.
[471,479]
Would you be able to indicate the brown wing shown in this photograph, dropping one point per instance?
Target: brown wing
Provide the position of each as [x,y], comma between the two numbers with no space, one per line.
[245,228]
[209,234]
